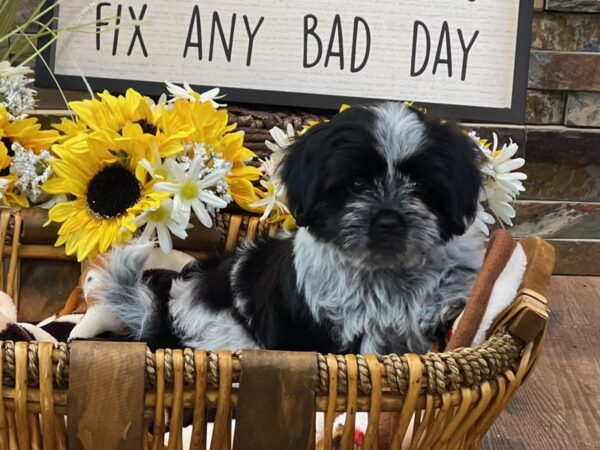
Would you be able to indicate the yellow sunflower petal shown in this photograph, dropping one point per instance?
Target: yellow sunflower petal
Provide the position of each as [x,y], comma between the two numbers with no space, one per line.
[62,211]
[88,246]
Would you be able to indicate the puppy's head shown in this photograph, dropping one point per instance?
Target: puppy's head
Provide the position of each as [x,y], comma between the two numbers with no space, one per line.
[381,181]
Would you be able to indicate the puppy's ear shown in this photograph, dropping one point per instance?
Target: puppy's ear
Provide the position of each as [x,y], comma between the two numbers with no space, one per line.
[449,173]
[463,190]
[300,173]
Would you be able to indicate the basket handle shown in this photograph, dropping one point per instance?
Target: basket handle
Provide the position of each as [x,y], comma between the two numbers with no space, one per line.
[527,316]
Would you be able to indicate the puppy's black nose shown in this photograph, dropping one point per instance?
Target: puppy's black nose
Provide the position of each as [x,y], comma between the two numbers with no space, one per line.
[388,220]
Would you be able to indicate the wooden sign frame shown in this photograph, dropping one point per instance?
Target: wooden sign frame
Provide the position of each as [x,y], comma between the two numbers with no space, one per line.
[514,114]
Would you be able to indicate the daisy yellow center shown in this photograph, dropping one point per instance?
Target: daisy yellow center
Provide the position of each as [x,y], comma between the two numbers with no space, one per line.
[112,191]
[189,191]
[158,216]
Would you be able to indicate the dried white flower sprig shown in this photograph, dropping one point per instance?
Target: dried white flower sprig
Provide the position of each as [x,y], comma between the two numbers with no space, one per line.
[15,93]
[32,171]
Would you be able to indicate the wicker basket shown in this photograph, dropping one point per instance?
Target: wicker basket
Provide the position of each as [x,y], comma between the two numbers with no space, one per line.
[101,396]
[113,393]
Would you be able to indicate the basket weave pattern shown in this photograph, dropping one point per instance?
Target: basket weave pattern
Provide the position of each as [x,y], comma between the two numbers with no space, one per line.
[449,399]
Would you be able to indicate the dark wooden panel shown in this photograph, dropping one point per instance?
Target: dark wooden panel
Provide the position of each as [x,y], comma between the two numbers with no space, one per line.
[558,407]
[276,405]
[44,287]
[106,396]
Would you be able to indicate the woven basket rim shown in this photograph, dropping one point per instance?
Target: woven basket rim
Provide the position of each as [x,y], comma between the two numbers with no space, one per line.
[467,367]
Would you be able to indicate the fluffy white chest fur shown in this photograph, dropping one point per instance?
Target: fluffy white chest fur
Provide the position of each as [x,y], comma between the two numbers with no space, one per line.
[384,306]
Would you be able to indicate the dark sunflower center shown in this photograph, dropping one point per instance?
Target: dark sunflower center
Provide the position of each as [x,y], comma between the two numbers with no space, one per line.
[147,127]
[8,144]
[112,191]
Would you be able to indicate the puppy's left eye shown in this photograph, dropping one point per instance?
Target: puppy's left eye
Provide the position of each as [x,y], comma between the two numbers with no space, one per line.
[358,185]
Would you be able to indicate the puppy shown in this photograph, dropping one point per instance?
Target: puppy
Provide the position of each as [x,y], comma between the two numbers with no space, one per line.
[381,262]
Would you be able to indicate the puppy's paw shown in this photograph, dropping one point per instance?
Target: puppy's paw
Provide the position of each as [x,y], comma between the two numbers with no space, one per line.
[438,319]
[451,311]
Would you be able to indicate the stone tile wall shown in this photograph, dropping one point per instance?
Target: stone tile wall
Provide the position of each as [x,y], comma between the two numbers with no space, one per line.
[562,137]
[564,74]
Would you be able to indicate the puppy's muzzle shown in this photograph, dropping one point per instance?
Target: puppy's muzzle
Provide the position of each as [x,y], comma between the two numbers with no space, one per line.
[388,221]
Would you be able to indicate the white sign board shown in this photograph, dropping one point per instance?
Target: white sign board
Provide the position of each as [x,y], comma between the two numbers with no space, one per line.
[463,56]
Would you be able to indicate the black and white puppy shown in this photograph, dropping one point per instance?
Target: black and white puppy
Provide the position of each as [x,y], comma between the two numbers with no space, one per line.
[382,261]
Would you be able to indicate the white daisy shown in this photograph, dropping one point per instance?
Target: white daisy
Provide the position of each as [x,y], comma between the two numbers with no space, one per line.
[161,222]
[483,219]
[156,168]
[273,200]
[186,92]
[283,139]
[499,166]
[501,185]
[268,168]
[198,188]
[499,202]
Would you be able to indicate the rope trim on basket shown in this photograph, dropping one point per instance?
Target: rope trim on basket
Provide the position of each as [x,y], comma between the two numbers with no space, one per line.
[442,372]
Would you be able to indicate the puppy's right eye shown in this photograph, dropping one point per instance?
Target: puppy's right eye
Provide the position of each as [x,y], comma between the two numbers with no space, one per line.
[358,185]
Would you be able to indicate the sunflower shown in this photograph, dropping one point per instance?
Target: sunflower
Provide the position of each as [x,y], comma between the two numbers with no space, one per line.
[104,197]
[125,121]
[211,128]
[27,133]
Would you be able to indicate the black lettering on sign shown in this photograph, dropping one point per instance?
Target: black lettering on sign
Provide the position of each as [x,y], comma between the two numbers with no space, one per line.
[137,32]
[422,40]
[310,30]
[335,45]
[466,49]
[336,34]
[420,26]
[251,36]
[195,24]
[444,38]
[227,45]
[99,22]
[367,32]
[117,27]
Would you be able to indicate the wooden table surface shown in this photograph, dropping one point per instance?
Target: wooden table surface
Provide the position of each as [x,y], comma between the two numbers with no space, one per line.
[559,406]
